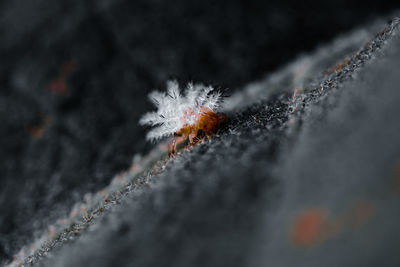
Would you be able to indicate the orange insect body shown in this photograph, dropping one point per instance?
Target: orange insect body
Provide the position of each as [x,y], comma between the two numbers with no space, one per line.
[189,117]
[206,123]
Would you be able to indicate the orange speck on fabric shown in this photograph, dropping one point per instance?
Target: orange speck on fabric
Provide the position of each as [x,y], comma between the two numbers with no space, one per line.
[37,128]
[35,131]
[58,86]
[361,212]
[308,227]
[339,66]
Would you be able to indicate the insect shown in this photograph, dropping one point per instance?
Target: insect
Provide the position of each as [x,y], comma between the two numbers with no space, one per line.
[190,117]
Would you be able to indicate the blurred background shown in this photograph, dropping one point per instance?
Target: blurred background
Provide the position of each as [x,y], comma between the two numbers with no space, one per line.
[74,79]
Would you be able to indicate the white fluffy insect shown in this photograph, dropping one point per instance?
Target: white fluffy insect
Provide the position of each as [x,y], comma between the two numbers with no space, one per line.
[183,114]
